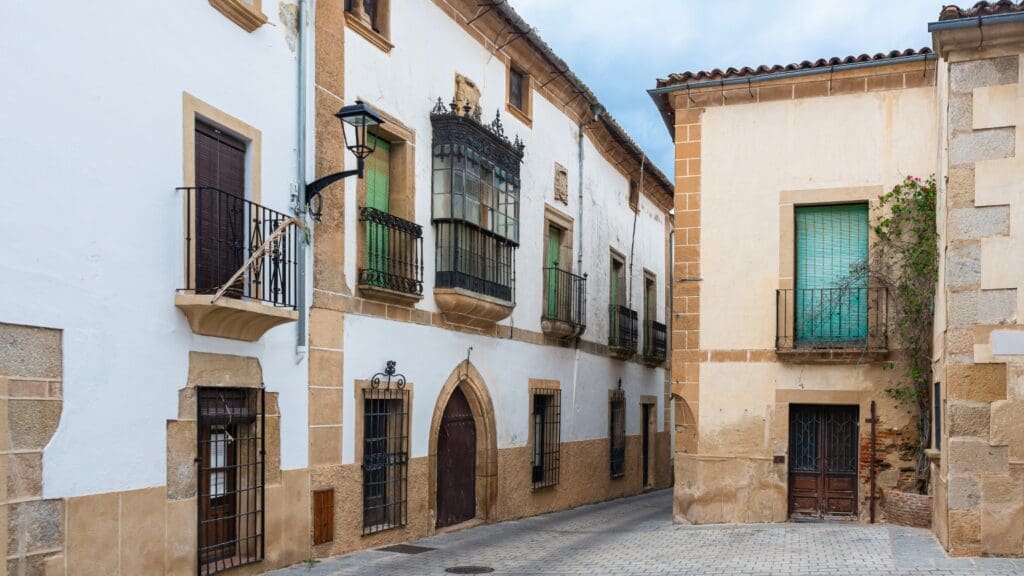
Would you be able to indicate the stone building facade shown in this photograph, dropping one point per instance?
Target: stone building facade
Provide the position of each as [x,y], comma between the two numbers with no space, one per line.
[197,377]
[818,142]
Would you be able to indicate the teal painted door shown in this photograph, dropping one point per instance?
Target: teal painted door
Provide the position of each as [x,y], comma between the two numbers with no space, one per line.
[553,297]
[831,289]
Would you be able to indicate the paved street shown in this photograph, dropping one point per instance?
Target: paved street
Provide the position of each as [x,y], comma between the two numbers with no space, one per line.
[636,536]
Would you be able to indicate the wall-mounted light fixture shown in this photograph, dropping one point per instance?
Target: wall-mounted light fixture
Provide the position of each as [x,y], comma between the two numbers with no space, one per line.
[360,117]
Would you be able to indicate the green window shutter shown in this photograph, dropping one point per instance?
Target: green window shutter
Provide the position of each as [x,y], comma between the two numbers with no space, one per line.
[377,176]
[831,290]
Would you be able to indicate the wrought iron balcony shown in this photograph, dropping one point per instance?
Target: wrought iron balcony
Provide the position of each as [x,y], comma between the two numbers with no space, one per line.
[392,264]
[622,331]
[831,323]
[655,342]
[240,265]
[565,303]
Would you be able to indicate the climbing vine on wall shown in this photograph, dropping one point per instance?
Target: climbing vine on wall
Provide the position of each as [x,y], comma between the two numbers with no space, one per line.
[905,259]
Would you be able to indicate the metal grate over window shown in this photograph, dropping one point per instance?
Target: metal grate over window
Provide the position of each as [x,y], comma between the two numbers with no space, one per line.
[385,453]
[547,414]
[231,450]
[617,432]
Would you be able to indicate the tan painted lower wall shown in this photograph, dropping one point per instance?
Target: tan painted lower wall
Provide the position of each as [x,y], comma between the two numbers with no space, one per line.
[578,484]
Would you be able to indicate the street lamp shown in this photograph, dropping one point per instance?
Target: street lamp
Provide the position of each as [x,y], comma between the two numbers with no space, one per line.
[360,117]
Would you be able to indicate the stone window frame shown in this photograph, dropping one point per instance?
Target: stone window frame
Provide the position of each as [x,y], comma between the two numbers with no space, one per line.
[401,194]
[789,200]
[247,14]
[194,109]
[524,114]
[555,217]
[623,291]
[358,435]
[376,33]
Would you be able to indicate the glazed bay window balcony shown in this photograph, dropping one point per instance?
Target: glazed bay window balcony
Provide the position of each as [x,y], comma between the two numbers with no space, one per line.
[240,266]
[655,342]
[832,324]
[622,331]
[475,211]
[565,304]
[392,267]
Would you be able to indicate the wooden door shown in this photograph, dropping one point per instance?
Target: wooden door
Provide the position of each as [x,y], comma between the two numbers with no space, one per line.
[456,463]
[217,534]
[647,426]
[823,446]
[220,208]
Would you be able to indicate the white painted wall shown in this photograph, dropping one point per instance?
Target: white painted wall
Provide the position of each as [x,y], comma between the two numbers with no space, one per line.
[429,50]
[91,151]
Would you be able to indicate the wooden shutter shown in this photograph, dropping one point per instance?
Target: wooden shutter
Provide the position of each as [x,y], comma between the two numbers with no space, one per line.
[323,516]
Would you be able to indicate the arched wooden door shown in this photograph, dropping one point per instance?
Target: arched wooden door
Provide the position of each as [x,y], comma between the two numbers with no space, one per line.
[456,463]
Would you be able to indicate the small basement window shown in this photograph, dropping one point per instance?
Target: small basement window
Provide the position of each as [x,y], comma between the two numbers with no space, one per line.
[617,432]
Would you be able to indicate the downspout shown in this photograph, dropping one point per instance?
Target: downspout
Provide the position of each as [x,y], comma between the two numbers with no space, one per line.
[300,177]
[596,110]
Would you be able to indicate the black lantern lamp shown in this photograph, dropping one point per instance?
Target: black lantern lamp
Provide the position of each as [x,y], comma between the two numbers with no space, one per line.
[361,117]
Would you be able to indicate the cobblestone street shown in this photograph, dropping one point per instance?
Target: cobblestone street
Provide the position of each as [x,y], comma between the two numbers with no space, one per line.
[636,536]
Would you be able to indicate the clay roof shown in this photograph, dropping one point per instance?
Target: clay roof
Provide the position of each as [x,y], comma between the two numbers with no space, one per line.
[980,9]
[765,70]
[614,128]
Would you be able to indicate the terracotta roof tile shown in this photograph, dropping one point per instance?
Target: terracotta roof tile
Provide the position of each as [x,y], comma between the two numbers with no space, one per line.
[983,8]
[764,70]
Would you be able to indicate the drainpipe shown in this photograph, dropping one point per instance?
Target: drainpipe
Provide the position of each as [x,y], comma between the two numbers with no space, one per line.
[300,177]
[596,110]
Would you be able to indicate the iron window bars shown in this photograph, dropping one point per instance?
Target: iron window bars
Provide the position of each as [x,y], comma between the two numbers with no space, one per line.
[622,327]
[546,416]
[565,296]
[221,233]
[475,201]
[394,252]
[230,450]
[385,452]
[831,318]
[655,341]
[617,432]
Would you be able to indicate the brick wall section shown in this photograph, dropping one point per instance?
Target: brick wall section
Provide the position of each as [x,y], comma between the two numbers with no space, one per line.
[686,353]
[908,509]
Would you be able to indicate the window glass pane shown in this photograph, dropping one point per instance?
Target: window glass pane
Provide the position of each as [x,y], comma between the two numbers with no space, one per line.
[515,88]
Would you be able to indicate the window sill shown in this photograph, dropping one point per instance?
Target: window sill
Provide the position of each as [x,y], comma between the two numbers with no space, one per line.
[231,318]
[560,329]
[519,115]
[461,306]
[837,355]
[247,17]
[388,296]
[371,35]
[934,456]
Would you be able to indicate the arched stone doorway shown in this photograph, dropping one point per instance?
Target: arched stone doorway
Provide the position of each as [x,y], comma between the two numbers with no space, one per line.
[464,391]
[456,463]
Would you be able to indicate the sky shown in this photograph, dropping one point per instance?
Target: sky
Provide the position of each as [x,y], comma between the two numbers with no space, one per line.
[620,47]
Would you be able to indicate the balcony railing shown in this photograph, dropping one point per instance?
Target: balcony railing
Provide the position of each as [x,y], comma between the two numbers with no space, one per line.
[622,329]
[655,341]
[394,253]
[222,232]
[810,319]
[476,260]
[565,297]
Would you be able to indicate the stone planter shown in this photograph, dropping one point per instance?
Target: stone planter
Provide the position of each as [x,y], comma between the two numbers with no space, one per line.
[908,509]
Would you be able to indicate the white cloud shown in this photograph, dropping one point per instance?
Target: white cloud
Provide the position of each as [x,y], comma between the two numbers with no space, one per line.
[620,48]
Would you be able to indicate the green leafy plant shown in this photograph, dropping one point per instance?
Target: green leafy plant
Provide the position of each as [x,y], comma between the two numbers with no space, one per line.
[905,259]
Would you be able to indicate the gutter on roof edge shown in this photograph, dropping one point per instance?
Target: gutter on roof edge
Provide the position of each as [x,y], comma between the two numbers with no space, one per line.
[975,21]
[663,91]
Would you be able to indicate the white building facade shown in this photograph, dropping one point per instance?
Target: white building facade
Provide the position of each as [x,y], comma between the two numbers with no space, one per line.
[188,358]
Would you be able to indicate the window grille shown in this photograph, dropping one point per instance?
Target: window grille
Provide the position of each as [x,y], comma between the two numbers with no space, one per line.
[547,414]
[617,432]
[231,449]
[937,416]
[385,454]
